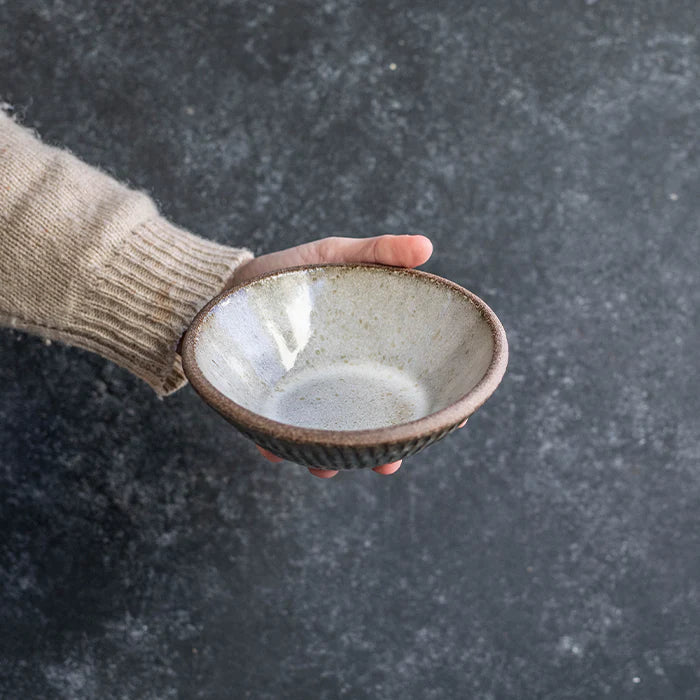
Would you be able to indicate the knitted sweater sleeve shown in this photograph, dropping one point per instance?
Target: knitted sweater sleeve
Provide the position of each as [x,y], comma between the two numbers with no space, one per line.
[87,261]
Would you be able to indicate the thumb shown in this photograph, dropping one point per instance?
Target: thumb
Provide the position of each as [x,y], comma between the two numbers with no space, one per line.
[402,251]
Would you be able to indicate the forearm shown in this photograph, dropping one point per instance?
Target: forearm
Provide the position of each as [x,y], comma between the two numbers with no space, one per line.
[85,260]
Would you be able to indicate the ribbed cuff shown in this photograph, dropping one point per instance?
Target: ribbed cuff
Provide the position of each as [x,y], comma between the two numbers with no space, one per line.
[144,298]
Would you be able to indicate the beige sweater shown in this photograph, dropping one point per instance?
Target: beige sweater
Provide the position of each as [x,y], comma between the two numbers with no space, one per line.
[85,260]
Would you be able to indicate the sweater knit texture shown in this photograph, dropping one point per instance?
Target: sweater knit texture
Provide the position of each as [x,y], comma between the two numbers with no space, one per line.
[90,262]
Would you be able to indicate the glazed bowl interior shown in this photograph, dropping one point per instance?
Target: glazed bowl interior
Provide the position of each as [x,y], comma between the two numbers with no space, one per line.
[345,348]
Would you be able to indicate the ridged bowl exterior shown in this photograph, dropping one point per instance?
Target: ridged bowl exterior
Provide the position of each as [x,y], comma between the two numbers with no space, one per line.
[340,456]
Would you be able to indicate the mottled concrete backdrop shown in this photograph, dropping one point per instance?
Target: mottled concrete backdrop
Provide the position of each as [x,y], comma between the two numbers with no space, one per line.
[549,550]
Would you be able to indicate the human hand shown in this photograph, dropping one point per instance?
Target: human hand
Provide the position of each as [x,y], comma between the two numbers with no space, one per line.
[400,251]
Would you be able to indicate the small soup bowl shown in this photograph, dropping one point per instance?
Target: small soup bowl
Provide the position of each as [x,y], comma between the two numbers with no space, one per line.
[345,366]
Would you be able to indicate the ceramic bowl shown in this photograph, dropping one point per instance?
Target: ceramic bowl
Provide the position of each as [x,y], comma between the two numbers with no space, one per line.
[345,366]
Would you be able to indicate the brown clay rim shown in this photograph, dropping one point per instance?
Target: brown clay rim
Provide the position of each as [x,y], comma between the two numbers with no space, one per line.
[413,430]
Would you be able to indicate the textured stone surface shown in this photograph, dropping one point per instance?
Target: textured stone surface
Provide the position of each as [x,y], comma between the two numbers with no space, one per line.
[551,549]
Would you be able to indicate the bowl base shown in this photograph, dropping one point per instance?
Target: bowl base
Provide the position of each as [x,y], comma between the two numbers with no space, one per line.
[348,396]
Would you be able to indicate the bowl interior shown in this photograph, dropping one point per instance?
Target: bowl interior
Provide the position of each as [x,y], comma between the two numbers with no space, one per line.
[344,348]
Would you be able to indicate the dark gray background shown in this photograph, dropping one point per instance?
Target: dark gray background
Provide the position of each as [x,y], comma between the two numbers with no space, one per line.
[549,550]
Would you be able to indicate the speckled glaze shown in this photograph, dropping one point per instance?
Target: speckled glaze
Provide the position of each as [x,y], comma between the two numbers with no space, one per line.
[345,366]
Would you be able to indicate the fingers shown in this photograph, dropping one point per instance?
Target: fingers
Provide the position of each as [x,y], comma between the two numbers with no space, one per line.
[323,473]
[320,473]
[387,469]
[268,455]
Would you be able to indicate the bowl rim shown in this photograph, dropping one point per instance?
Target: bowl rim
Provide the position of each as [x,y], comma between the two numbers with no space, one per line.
[444,419]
